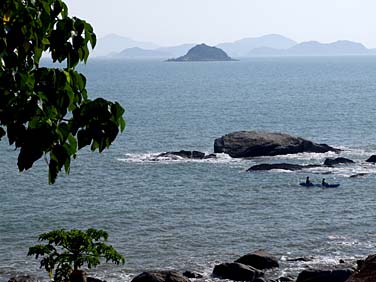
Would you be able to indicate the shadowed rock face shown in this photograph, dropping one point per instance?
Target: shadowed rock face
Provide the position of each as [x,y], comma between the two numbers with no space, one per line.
[236,271]
[259,260]
[336,161]
[245,144]
[160,276]
[367,271]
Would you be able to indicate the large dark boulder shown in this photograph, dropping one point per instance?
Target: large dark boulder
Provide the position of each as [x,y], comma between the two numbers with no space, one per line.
[245,144]
[284,166]
[259,260]
[371,159]
[336,161]
[160,276]
[236,271]
[366,271]
[23,278]
[325,275]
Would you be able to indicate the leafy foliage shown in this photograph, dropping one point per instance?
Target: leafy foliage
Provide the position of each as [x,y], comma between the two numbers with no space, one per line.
[46,111]
[69,250]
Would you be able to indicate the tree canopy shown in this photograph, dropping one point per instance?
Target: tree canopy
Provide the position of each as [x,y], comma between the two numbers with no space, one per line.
[45,112]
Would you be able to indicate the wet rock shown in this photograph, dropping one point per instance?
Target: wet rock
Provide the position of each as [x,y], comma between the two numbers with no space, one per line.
[366,272]
[210,156]
[285,279]
[300,259]
[92,279]
[259,260]
[160,276]
[358,175]
[183,154]
[245,144]
[337,161]
[325,275]
[191,274]
[371,159]
[236,271]
[23,278]
[284,166]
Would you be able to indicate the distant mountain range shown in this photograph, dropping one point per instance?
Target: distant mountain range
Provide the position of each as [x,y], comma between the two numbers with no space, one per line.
[115,46]
[112,43]
[314,48]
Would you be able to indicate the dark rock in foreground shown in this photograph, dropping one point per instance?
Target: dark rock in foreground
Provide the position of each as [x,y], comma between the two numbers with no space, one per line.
[325,275]
[259,260]
[190,274]
[203,52]
[236,271]
[366,272]
[23,278]
[371,159]
[336,161]
[283,166]
[160,276]
[245,144]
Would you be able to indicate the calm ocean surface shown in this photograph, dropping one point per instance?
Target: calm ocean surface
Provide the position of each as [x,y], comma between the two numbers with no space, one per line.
[178,214]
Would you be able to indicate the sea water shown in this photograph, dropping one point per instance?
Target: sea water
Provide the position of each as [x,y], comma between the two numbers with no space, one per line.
[192,214]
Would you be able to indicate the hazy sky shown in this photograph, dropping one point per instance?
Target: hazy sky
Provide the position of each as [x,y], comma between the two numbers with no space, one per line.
[169,22]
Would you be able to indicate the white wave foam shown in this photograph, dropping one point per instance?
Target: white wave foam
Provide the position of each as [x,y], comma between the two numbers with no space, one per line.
[155,157]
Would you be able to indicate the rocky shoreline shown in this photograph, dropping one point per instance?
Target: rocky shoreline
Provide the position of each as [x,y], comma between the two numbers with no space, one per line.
[255,267]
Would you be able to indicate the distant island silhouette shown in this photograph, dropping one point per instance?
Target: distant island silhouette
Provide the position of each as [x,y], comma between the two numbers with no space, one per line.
[203,52]
[118,47]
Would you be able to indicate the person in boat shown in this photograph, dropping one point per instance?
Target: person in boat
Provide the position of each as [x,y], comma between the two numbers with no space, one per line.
[308,182]
[323,182]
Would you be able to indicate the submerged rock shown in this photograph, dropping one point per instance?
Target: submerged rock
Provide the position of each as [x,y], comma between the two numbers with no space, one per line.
[336,161]
[183,154]
[236,271]
[160,276]
[284,166]
[245,144]
[259,260]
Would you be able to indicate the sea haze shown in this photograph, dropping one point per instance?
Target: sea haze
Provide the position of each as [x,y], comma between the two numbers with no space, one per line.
[193,214]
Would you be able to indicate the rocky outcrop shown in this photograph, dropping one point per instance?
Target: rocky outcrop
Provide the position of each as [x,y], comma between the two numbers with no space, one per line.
[259,260]
[337,161]
[245,144]
[236,271]
[366,271]
[283,166]
[92,279]
[371,159]
[325,275]
[160,276]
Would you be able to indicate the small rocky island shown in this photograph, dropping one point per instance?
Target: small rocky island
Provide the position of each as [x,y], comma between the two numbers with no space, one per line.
[203,53]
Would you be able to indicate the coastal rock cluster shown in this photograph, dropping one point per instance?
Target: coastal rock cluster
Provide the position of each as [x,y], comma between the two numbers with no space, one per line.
[253,267]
